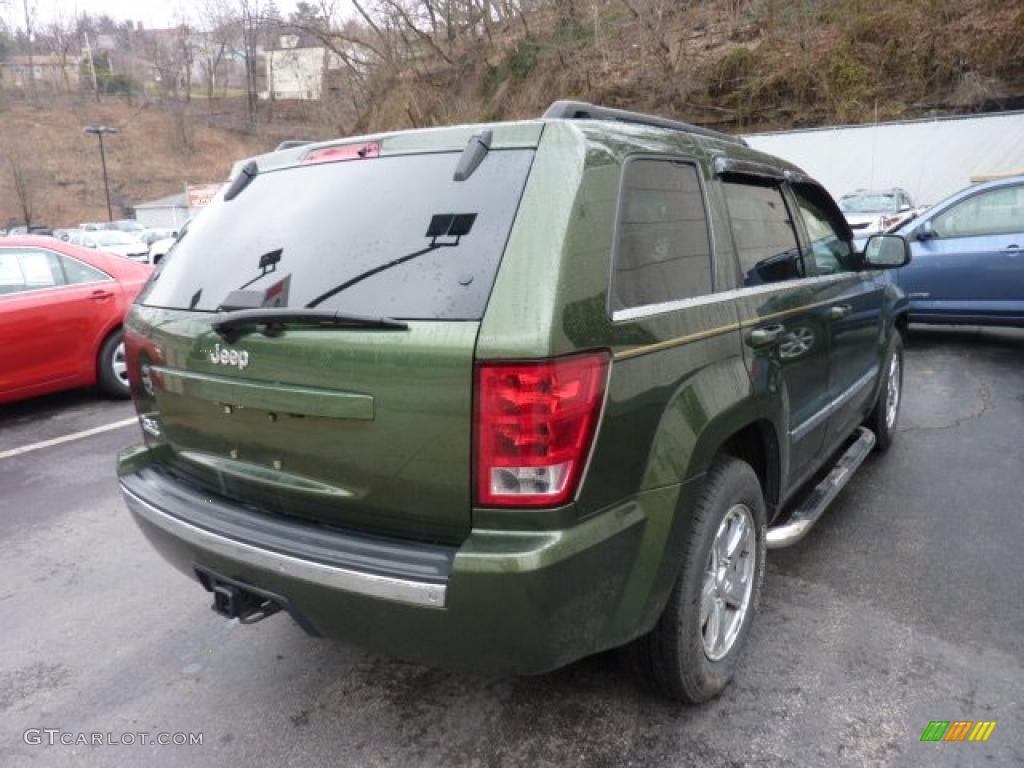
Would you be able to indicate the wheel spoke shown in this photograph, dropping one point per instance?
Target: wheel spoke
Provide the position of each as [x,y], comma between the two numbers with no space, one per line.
[737,537]
[735,591]
[713,632]
[707,597]
[721,545]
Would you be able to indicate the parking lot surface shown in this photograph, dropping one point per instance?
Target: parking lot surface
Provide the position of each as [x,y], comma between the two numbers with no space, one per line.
[904,605]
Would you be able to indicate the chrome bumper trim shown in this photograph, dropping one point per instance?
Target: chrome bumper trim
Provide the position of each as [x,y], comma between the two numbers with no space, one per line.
[419,593]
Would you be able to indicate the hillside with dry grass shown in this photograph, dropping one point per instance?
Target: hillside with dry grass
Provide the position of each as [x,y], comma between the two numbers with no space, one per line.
[742,65]
[739,65]
[153,155]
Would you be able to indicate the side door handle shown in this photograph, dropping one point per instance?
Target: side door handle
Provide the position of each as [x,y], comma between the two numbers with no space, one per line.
[765,336]
[1012,249]
[839,311]
[99,294]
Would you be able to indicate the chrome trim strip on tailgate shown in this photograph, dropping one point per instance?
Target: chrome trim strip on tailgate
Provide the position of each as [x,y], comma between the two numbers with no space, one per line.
[418,593]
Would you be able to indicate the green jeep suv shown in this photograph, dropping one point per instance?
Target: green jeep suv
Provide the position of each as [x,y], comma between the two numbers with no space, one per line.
[503,396]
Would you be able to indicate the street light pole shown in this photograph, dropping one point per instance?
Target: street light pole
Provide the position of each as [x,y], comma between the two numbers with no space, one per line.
[98,132]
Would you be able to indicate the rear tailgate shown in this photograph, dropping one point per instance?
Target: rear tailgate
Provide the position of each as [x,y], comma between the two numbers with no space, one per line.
[367,427]
[364,429]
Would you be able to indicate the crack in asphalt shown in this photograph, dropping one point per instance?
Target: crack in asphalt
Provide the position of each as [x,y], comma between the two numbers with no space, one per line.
[984,391]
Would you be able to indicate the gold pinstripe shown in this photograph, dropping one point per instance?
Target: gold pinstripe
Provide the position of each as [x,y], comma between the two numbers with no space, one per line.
[717,331]
[676,342]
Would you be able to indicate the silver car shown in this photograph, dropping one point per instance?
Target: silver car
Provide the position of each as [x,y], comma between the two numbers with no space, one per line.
[871,212]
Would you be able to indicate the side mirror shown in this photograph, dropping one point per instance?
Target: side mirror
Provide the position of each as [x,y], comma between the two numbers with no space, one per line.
[886,252]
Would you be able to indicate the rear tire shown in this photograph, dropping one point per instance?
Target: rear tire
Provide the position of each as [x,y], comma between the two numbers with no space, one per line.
[112,370]
[685,657]
[885,415]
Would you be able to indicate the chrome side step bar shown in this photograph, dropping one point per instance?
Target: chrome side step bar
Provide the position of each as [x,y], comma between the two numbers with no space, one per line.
[810,511]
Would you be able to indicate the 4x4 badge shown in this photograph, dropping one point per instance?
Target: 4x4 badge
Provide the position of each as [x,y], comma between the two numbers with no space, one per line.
[235,357]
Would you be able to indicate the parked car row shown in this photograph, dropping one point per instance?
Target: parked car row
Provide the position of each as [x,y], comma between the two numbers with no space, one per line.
[125,237]
[571,417]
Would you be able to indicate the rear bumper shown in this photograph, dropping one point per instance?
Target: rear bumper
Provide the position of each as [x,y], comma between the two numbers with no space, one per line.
[423,593]
[512,601]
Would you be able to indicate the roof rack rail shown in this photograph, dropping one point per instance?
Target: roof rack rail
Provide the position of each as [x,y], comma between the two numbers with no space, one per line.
[581,110]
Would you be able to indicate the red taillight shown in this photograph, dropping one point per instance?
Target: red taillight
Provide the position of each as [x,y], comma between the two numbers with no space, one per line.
[534,425]
[342,152]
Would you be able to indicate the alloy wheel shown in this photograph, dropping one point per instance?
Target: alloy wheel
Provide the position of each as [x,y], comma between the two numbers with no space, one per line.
[728,582]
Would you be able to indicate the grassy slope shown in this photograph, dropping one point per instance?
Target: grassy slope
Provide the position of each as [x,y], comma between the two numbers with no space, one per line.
[148,159]
[740,64]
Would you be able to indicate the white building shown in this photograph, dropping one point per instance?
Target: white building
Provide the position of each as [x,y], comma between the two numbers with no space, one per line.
[297,72]
[930,158]
[165,213]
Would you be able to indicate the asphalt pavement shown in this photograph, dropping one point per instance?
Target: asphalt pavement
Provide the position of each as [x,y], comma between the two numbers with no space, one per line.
[904,605]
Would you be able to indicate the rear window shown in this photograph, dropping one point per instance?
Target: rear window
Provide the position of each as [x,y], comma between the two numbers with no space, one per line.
[389,236]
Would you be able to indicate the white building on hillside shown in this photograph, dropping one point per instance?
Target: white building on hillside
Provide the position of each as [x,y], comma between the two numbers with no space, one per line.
[297,71]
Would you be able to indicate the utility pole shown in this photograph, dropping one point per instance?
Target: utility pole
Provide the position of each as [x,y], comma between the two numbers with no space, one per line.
[98,132]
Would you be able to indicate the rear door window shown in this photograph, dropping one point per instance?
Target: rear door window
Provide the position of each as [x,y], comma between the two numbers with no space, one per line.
[663,248]
[77,272]
[385,236]
[763,233]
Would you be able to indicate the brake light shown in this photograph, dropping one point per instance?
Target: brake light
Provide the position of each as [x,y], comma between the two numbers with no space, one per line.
[342,152]
[534,425]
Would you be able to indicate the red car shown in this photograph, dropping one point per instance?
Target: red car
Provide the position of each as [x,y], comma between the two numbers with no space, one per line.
[61,309]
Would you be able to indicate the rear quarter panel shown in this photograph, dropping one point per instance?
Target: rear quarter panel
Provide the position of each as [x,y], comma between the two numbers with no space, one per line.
[675,374]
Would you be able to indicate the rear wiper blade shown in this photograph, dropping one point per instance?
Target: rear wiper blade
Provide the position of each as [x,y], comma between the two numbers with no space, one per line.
[229,324]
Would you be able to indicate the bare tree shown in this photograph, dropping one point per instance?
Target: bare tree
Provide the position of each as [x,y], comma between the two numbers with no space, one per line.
[218,33]
[29,15]
[250,20]
[24,180]
[186,52]
[63,39]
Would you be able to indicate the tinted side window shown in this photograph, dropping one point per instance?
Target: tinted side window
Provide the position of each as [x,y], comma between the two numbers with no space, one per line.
[77,272]
[831,253]
[996,212]
[763,232]
[663,249]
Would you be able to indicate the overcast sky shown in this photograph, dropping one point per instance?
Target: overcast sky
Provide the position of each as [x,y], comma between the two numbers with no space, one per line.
[152,13]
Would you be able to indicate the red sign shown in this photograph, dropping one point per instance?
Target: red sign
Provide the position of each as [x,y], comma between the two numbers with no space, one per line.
[200,195]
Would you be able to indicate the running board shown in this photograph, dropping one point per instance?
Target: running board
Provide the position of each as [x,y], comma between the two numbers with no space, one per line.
[810,511]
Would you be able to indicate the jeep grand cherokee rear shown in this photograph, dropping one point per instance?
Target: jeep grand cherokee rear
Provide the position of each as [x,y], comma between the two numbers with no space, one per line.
[496,396]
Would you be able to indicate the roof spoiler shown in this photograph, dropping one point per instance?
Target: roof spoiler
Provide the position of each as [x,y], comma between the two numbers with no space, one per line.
[581,110]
